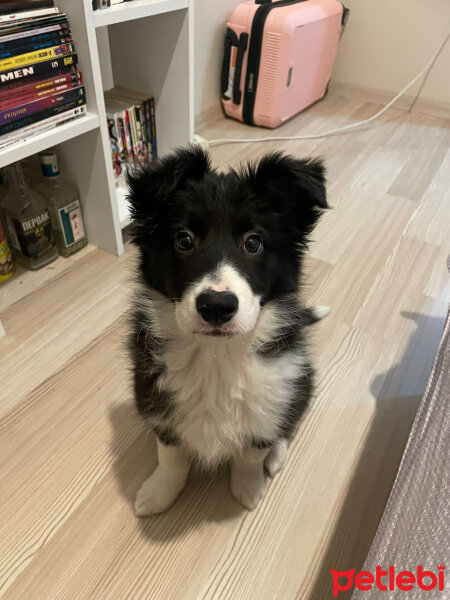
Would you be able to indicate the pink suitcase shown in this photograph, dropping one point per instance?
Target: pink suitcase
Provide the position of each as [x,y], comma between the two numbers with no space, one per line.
[278,57]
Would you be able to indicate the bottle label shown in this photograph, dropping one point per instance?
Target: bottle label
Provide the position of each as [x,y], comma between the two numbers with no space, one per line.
[71,221]
[33,235]
[6,261]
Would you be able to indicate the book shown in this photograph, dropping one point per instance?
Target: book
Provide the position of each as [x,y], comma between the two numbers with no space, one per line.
[39,86]
[32,33]
[40,69]
[39,116]
[153,127]
[21,41]
[59,85]
[30,108]
[143,103]
[7,28]
[29,131]
[56,40]
[29,14]
[118,125]
[13,6]
[35,57]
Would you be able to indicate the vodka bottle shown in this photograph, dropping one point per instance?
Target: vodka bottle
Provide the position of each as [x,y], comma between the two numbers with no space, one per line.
[27,223]
[63,204]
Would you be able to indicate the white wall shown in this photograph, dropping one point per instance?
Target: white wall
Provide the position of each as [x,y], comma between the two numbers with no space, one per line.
[386,43]
[211,17]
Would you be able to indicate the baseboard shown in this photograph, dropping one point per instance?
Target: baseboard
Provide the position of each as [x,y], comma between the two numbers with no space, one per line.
[423,105]
[208,116]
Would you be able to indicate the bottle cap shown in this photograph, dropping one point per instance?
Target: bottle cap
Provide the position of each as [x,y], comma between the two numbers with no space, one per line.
[49,163]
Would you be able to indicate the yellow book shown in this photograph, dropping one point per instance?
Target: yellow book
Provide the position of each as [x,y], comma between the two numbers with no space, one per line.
[12,62]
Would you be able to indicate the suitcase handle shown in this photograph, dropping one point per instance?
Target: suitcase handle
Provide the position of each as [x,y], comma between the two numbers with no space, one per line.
[242,47]
[231,39]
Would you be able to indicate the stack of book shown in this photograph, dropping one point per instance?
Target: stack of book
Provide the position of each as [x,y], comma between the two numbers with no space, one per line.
[132,129]
[40,85]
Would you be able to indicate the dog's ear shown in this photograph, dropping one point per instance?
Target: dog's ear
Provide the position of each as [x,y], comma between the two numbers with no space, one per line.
[294,187]
[152,187]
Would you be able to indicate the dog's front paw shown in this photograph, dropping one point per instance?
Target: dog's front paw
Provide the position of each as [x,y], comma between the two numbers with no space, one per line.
[248,490]
[275,459]
[156,494]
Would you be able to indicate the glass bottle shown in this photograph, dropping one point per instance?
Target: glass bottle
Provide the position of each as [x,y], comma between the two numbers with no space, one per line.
[27,223]
[7,266]
[63,204]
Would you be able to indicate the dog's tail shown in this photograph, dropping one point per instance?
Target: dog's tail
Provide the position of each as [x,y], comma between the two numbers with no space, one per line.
[315,313]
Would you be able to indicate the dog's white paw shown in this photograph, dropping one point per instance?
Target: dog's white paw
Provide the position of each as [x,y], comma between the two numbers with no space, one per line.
[320,312]
[156,494]
[275,459]
[248,490]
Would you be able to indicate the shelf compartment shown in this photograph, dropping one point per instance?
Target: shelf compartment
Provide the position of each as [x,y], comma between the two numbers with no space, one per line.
[37,143]
[137,9]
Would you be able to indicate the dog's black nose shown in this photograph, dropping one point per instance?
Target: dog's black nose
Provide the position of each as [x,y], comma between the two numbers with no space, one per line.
[217,307]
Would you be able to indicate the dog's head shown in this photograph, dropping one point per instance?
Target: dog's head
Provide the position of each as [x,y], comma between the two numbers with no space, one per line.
[219,246]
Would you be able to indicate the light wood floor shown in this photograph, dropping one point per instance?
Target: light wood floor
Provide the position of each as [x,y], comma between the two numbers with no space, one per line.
[73,452]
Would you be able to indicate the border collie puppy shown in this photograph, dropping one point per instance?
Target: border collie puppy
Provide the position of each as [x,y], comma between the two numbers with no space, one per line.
[218,343]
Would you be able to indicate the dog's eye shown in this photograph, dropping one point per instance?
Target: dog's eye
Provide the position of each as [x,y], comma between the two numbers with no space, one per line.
[253,244]
[184,241]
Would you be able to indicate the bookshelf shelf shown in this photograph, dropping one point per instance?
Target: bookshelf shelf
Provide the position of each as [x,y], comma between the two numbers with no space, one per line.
[47,139]
[137,9]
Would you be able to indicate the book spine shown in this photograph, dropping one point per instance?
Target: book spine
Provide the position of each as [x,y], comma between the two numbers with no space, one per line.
[22,42]
[32,97]
[142,148]
[148,126]
[140,118]
[39,116]
[20,134]
[134,134]
[28,14]
[35,57]
[25,110]
[19,5]
[153,128]
[39,69]
[31,34]
[127,127]
[34,47]
[128,143]
[40,86]
[122,139]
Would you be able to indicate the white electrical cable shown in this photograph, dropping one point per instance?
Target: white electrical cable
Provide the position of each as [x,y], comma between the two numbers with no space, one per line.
[219,142]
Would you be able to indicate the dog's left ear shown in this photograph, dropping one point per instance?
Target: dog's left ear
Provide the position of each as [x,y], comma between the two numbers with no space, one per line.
[294,186]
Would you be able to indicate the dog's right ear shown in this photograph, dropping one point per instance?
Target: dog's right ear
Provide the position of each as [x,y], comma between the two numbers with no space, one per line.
[152,187]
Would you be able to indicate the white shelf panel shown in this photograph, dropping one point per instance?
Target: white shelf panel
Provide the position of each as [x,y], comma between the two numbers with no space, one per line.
[137,9]
[122,205]
[59,134]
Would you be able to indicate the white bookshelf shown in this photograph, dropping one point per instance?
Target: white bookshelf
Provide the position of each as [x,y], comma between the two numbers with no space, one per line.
[138,9]
[53,137]
[145,45]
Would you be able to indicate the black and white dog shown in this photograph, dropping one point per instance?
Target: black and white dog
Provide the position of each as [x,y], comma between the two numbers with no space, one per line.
[218,344]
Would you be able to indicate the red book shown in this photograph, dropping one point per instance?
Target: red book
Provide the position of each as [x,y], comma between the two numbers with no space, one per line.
[39,89]
[30,108]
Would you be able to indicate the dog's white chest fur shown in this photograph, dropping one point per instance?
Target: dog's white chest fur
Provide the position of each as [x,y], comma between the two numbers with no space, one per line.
[226,394]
